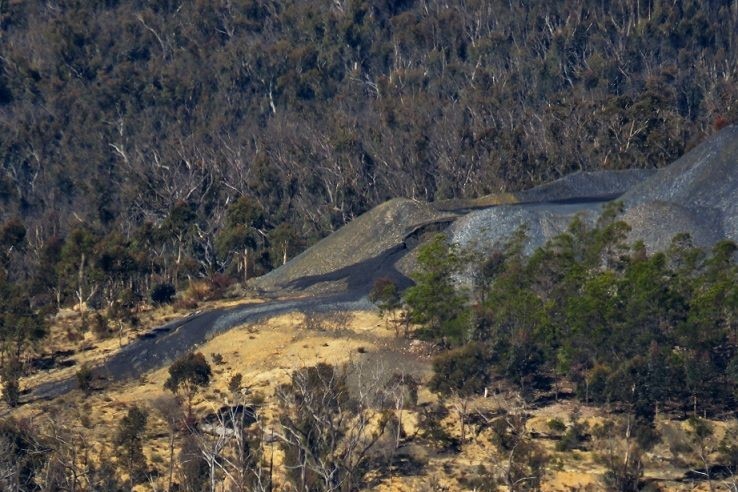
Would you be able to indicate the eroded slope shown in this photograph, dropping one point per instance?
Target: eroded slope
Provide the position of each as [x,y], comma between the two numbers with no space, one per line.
[369,236]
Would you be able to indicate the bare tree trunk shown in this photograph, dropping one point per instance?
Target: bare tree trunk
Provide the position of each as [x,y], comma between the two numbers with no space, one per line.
[176,265]
[245,265]
[212,473]
[80,281]
[708,475]
[626,458]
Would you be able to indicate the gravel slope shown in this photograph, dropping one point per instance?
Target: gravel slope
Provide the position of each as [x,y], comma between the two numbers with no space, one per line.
[368,237]
[697,194]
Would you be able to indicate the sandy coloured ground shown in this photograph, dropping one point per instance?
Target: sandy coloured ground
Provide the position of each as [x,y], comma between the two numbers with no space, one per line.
[265,353]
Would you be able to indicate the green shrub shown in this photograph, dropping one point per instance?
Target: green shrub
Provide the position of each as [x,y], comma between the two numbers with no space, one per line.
[462,371]
[84,379]
[556,425]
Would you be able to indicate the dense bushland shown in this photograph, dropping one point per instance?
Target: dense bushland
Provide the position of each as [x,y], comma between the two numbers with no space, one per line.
[145,142]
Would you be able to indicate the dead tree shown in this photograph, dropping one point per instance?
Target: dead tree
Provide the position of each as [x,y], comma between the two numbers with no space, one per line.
[328,432]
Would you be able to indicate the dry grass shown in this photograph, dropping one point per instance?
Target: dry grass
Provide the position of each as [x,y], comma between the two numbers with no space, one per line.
[480,202]
[265,353]
[66,335]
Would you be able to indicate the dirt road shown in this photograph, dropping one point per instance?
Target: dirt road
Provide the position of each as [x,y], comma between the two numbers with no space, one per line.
[162,345]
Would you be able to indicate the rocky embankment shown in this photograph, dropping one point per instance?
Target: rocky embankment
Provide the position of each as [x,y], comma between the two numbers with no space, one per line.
[698,194]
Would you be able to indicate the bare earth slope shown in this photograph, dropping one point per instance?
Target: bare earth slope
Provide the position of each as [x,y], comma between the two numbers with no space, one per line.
[375,243]
[697,194]
[370,236]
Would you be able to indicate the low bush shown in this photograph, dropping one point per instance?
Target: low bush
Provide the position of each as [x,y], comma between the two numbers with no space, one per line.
[163,293]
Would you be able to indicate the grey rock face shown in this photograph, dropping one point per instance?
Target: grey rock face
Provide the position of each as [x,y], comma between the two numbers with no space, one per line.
[697,194]
[546,210]
[656,223]
[589,184]
[488,230]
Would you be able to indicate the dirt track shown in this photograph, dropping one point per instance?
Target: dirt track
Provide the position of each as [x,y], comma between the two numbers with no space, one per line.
[163,344]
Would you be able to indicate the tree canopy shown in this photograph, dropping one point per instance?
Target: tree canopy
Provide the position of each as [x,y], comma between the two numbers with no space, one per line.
[624,326]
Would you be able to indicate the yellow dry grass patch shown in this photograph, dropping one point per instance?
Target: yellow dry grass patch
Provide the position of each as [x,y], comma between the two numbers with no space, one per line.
[265,353]
[568,480]
[491,200]
[65,335]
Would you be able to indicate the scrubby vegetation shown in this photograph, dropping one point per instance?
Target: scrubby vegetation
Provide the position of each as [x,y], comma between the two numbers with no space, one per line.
[563,333]
[609,323]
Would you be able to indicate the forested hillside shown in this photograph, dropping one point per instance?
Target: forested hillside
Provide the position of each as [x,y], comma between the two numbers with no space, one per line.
[151,141]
